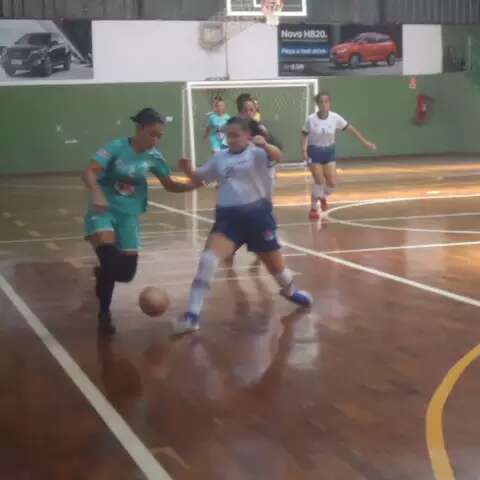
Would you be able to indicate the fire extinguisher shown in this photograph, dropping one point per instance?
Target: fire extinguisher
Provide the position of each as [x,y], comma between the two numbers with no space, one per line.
[423,107]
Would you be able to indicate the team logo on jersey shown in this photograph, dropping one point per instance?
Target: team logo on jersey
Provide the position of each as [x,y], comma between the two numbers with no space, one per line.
[125,189]
[269,235]
[102,153]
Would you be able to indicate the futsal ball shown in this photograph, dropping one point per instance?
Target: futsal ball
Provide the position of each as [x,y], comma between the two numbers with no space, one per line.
[153,302]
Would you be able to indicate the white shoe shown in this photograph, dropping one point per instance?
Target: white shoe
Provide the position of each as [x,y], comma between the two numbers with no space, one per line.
[187,323]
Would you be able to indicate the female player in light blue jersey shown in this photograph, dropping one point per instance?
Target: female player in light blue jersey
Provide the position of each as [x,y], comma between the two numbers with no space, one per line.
[243,216]
[217,121]
[116,179]
[319,149]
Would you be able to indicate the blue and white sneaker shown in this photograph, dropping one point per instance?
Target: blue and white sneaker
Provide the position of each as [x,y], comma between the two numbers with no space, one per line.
[187,323]
[299,297]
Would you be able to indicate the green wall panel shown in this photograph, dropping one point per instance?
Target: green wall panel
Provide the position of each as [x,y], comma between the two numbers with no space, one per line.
[57,128]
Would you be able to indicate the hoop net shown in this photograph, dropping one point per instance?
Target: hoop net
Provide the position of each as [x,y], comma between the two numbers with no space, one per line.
[272,10]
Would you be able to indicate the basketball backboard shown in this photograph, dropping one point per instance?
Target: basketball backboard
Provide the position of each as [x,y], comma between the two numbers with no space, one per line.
[253,8]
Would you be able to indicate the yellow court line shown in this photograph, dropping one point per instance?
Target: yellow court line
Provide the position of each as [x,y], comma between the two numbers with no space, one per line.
[434,427]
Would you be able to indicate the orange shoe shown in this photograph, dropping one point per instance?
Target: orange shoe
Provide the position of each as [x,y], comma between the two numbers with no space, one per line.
[313,215]
[324,204]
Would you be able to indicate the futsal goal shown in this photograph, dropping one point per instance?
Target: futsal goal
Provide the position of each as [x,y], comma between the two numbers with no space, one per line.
[284,106]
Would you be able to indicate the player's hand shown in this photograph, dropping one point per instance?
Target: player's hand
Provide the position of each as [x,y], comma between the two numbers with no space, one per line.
[186,165]
[100,204]
[371,146]
[259,141]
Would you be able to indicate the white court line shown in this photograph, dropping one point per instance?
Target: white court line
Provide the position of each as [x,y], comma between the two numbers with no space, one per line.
[415,217]
[402,247]
[361,201]
[145,461]
[356,266]
[397,229]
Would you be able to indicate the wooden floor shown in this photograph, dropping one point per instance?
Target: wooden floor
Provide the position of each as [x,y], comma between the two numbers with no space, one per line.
[378,381]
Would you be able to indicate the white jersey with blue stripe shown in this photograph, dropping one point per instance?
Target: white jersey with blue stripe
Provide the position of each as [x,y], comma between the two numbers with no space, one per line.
[242,178]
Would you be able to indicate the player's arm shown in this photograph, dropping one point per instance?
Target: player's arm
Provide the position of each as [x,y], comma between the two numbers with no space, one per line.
[208,130]
[90,179]
[358,135]
[305,145]
[187,168]
[274,154]
[172,186]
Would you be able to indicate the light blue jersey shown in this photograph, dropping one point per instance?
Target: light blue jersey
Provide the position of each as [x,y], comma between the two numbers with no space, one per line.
[243,178]
[124,179]
[217,136]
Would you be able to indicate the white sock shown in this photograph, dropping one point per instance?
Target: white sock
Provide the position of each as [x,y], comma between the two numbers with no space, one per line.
[317,193]
[328,191]
[203,279]
[285,281]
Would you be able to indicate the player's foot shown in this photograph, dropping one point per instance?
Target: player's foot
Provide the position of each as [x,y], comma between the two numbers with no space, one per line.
[324,204]
[313,214]
[187,323]
[299,297]
[105,324]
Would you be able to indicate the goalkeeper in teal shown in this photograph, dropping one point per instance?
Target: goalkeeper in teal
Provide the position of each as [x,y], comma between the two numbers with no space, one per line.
[116,179]
[217,122]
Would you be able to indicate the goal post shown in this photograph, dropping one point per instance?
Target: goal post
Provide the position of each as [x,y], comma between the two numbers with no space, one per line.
[284,107]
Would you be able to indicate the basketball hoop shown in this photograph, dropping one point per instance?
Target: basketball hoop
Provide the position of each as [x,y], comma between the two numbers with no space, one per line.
[272,10]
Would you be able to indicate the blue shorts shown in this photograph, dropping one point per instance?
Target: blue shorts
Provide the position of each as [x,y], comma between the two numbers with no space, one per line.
[321,155]
[252,224]
[126,228]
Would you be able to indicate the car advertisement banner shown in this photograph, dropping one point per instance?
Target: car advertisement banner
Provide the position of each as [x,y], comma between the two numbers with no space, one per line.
[39,51]
[316,50]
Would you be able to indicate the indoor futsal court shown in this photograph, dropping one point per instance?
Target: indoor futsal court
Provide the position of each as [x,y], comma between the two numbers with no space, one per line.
[365,367]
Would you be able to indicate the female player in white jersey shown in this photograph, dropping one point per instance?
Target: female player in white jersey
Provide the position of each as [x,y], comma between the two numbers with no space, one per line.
[243,216]
[319,149]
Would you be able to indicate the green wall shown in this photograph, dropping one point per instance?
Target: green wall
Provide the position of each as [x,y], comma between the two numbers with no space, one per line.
[36,122]
[383,108]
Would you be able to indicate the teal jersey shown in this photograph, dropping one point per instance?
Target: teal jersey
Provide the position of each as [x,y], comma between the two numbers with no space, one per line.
[217,124]
[124,179]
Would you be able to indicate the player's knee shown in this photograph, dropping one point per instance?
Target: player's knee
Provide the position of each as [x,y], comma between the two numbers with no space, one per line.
[107,256]
[206,269]
[126,268]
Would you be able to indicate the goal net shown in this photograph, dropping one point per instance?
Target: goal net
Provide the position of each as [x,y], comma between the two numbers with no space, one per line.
[283,104]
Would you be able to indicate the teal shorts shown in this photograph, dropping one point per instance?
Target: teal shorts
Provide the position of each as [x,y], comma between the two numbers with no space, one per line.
[126,228]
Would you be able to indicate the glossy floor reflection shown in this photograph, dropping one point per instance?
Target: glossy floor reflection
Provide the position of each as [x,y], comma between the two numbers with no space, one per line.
[264,391]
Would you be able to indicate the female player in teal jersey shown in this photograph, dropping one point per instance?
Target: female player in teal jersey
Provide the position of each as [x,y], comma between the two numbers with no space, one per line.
[116,179]
[217,121]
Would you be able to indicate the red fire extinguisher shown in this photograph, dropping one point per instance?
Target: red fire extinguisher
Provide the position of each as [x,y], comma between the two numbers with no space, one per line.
[423,107]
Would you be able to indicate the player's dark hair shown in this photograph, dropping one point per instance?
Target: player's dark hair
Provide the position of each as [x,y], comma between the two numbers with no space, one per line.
[218,98]
[243,123]
[321,94]
[147,116]
[242,99]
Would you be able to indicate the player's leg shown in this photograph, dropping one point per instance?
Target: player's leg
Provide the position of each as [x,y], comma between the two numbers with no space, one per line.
[217,249]
[318,189]
[330,174]
[262,240]
[275,264]
[116,245]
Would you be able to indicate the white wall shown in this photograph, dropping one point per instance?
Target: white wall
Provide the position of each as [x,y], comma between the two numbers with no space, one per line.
[422,49]
[159,51]
[152,51]
[253,53]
